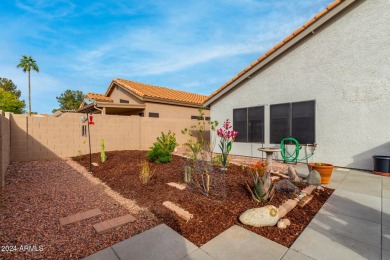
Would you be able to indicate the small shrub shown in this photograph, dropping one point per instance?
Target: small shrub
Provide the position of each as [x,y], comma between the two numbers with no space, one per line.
[145,174]
[162,149]
[217,160]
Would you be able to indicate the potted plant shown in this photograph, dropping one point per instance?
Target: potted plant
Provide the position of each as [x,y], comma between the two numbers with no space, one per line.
[325,170]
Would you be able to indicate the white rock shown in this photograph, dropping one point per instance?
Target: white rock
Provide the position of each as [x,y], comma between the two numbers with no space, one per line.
[260,217]
[320,188]
[283,223]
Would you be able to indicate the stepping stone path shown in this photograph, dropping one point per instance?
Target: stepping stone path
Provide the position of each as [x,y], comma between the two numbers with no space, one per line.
[113,223]
[95,164]
[184,214]
[80,216]
[177,185]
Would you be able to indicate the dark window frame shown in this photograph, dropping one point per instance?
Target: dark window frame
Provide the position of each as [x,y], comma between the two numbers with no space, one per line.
[153,114]
[124,101]
[247,126]
[292,120]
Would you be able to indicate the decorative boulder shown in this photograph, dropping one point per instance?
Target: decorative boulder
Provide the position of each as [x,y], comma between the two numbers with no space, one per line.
[286,186]
[314,178]
[260,217]
[292,173]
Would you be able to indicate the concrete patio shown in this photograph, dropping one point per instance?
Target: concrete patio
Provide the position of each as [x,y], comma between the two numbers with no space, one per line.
[353,224]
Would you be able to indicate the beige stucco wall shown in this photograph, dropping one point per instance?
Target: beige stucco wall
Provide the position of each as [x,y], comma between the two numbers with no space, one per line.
[119,93]
[344,66]
[172,111]
[36,138]
[4,145]
[164,110]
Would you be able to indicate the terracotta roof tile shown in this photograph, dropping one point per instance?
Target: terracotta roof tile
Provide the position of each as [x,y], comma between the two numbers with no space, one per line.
[269,52]
[155,92]
[298,31]
[98,97]
[308,23]
[321,13]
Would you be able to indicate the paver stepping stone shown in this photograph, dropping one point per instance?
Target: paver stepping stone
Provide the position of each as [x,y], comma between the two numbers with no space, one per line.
[309,189]
[305,200]
[286,207]
[113,223]
[105,254]
[184,214]
[177,185]
[80,216]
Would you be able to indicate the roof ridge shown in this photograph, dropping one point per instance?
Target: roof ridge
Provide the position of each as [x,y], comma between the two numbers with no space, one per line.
[277,46]
[163,87]
[144,90]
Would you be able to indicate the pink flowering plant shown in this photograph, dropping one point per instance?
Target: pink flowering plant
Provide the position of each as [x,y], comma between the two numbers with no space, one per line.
[227,135]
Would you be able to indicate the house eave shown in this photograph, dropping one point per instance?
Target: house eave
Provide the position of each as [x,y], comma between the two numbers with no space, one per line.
[307,31]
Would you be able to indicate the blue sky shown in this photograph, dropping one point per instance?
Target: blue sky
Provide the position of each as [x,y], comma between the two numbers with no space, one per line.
[194,45]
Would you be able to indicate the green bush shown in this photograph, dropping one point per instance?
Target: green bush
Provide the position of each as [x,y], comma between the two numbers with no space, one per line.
[162,149]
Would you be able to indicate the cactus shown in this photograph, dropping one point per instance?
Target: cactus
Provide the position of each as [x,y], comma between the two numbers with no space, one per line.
[103,155]
[207,184]
[187,174]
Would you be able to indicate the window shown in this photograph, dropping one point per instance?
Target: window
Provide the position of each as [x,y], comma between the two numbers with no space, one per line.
[154,114]
[249,122]
[197,117]
[123,101]
[293,120]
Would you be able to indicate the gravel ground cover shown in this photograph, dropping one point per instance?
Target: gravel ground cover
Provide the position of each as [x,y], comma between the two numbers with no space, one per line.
[38,193]
[212,216]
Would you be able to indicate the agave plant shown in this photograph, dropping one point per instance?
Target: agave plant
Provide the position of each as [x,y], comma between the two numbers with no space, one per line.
[261,189]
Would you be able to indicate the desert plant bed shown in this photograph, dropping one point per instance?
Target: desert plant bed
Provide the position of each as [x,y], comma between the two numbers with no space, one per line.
[211,215]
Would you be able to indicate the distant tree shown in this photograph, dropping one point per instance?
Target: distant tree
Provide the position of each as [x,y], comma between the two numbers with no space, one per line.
[28,64]
[8,85]
[70,100]
[9,102]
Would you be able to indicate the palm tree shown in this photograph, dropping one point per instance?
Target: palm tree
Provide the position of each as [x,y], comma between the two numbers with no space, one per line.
[28,63]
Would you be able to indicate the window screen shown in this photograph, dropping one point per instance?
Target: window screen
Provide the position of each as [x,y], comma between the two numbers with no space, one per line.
[279,122]
[303,122]
[154,114]
[256,124]
[240,124]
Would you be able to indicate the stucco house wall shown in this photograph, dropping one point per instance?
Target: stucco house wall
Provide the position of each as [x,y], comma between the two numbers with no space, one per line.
[345,67]
[118,93]
[173,111]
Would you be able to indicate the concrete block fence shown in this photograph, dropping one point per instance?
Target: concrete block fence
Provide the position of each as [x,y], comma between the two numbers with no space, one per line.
[25,138]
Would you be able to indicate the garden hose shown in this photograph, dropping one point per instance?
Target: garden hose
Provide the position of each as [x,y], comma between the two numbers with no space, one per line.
[291,157]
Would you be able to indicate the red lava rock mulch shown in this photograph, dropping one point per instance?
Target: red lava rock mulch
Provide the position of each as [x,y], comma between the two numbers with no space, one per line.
[211,216]
[38,193]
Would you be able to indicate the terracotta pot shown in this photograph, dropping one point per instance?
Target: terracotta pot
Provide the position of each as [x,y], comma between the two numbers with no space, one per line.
[325,170]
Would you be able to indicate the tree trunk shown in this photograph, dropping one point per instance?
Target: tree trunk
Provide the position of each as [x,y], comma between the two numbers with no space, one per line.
[29,95]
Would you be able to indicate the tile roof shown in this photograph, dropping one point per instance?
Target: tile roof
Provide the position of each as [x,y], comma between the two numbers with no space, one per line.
[98,97]
[160,93]
[276,47]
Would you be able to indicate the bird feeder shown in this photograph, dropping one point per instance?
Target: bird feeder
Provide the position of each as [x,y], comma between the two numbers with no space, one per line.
[90,122]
